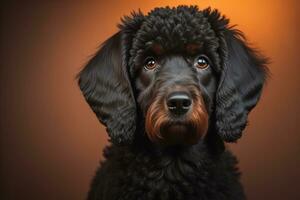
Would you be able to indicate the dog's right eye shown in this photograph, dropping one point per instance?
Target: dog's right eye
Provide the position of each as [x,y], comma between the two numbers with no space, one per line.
[150,63]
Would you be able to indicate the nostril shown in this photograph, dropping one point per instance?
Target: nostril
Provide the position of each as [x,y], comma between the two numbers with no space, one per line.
[179,103]
[186,103]
[172,104]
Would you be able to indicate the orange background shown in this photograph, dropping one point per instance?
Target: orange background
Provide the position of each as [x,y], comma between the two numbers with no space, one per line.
[51,142]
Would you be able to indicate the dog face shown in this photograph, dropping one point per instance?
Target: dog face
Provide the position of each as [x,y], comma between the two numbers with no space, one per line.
[178,72]
[175,92]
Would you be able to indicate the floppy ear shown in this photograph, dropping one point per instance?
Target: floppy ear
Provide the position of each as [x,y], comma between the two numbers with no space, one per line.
[105,85]
[243,75]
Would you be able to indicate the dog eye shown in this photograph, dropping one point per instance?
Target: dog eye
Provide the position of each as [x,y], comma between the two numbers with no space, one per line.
[202,62]
[150,63]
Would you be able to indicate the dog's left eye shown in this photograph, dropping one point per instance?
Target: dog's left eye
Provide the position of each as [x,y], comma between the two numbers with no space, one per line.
[150,63]
[202,62]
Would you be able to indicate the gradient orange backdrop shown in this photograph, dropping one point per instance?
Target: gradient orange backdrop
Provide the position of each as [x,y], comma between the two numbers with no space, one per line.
[51,142]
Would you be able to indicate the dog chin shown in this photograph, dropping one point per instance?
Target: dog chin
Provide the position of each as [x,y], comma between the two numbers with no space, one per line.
[179,134]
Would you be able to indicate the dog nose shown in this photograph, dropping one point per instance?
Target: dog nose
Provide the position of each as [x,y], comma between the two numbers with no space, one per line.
[179,103]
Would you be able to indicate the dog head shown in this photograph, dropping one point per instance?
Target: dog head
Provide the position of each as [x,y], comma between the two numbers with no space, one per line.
[178,72]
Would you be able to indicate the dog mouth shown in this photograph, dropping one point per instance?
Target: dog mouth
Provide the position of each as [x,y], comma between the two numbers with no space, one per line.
[177,128]
[179,133]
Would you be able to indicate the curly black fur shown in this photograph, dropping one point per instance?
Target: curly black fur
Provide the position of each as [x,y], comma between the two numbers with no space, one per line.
[112,83]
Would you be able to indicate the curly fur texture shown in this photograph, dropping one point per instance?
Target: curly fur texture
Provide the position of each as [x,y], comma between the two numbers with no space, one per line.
[179,174]
[129,101]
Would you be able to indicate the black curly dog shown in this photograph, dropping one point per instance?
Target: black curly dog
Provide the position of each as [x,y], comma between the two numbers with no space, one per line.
[171,87]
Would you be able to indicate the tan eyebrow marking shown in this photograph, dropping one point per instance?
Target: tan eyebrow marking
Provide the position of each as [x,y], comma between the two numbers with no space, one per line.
[157,49]
[193,48]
